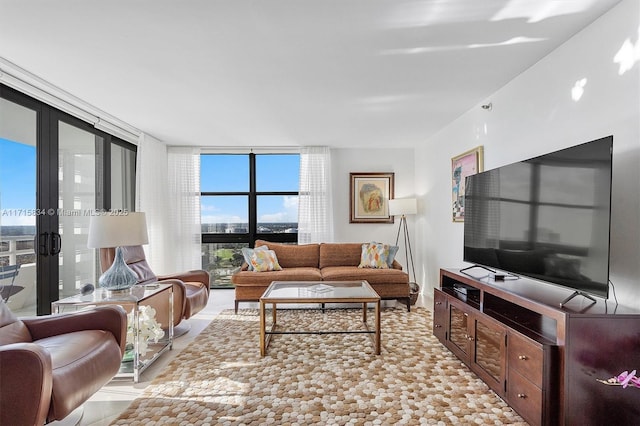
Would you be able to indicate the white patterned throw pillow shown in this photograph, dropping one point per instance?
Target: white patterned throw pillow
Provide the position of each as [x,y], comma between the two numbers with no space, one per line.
[374,255]
[265,260]
[247,252]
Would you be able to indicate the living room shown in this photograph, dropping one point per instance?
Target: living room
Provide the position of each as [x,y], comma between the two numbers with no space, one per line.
[585,88]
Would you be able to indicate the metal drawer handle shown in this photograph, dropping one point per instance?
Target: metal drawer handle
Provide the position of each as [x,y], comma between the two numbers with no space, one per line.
[438,303]
[438,326]
[522,395]
[523,357]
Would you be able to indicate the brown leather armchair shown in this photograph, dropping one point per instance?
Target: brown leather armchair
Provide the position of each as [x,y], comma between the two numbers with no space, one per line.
[50,365]
[190,289]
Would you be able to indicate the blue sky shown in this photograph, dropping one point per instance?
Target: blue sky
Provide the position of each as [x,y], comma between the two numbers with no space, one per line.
[17,181]
[231,173]
[218,173]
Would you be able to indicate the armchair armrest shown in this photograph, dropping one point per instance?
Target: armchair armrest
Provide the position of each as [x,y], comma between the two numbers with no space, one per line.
[25,369]
[112,318]
[179,302]
[197,275]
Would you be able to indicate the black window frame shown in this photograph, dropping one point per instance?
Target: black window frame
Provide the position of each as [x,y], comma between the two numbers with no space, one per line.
[252,195]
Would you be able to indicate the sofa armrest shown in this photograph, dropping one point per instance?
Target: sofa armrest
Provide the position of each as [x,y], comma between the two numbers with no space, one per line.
[197,275]
[25,369]
[112,318]
[396,265]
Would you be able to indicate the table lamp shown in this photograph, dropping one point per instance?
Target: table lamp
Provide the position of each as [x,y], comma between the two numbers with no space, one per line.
[402,207]
[118,229]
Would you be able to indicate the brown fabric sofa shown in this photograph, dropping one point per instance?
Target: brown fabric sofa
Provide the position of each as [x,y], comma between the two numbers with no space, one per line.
[320,262]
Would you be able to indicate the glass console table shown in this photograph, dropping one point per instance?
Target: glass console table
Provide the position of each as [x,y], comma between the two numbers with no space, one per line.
[160,296]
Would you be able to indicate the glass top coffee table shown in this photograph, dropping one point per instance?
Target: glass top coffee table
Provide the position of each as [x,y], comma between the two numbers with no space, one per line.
[322,292]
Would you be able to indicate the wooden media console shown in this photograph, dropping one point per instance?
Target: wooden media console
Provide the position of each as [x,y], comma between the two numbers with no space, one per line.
[544,360]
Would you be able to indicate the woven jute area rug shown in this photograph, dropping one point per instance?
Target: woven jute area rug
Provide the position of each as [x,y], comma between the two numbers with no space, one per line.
[335,379]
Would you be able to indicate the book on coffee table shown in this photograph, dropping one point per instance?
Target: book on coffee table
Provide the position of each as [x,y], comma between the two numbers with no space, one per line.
[321,288]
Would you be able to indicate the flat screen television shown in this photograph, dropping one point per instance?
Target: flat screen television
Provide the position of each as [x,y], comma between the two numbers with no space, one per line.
[546,218]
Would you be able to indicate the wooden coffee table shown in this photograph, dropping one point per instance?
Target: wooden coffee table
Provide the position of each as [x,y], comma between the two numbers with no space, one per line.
[321,292]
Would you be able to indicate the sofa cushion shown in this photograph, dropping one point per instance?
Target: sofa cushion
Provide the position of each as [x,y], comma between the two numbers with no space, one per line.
[265,278]
[340,254]
[374,255]
[373,276]
[265,260]
[13,330]
[292,255]
[247,252]
[393,250]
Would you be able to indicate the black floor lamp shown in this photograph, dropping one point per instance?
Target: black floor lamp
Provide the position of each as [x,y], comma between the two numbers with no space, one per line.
[403,207]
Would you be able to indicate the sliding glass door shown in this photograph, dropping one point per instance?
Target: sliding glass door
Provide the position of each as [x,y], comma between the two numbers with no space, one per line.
[56,171]
[79,185]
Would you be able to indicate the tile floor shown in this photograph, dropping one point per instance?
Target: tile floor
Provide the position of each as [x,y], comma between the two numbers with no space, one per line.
[107,404]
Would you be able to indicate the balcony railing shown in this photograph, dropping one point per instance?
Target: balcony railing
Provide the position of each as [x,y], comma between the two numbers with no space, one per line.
[17,249]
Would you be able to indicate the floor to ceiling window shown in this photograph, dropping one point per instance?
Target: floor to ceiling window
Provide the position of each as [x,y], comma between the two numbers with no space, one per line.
[245,197]
[55,171]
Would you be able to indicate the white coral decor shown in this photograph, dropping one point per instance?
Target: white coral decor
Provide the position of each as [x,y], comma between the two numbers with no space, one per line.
[148,328]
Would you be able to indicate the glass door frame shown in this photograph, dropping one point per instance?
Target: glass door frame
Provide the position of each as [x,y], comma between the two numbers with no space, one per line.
[46,266]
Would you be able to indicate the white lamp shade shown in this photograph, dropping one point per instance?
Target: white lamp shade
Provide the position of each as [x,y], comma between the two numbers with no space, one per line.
[403,206]
[117,230]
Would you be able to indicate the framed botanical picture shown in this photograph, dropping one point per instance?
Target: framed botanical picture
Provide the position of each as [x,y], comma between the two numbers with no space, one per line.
[463,165]
[369,197]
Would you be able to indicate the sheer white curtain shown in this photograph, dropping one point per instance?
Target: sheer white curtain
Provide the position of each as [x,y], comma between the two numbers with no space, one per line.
[315,211]
[184,195]
[152,198]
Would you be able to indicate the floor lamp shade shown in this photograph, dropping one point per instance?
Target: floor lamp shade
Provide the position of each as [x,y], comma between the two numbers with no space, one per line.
[403,206]
[118,230]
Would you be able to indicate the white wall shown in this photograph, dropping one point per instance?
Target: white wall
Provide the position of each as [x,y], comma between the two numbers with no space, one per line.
[535,114]
[345,161]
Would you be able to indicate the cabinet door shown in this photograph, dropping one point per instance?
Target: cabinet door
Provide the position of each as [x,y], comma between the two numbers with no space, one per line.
[439,315]
[459,339]
[489,355]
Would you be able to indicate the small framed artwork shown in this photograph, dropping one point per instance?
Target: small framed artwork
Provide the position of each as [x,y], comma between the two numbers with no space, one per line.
[463,165]
[369,197]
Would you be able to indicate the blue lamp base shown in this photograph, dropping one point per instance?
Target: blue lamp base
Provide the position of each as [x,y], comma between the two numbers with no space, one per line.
[119,277]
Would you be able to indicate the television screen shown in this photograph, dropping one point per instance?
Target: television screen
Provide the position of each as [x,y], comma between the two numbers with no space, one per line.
[546,217]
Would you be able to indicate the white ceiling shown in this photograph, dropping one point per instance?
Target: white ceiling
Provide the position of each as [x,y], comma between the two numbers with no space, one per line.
[350,73]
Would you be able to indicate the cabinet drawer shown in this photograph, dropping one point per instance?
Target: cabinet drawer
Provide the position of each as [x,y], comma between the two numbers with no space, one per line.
[524,397]
[526,357]
[439,314]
